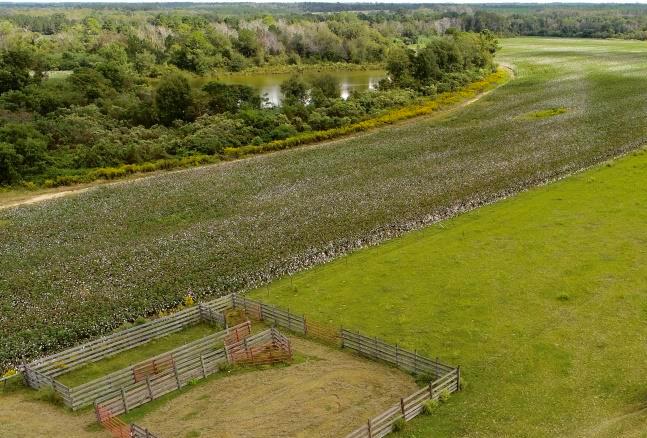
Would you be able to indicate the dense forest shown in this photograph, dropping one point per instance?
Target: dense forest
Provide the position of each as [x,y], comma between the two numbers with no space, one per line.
[83,90]
[87,89]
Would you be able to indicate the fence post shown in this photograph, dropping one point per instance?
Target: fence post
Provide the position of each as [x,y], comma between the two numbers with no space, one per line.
[147,434]
[397,363]
[431,390]
[458,378]
[177,375]
[204,369]
[148,384]
[289,320]
[124,399]
[370,434]
[402,407]
[437,370]
[415,361]
[359,336]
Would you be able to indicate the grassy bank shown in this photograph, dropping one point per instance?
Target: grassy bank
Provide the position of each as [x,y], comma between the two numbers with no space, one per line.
[540,298]
[74,267]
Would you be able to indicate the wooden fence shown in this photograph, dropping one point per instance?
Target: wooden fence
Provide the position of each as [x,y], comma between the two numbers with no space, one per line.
[442,377]
[186,369]
[412,362]
[409,407]
[43,372]
[125,389]
[274,350]
[370,347]
[86,393]
[272,314]
[118,428]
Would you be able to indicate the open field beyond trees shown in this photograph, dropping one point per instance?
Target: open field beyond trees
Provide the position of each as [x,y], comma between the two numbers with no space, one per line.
[541,299]
[78,266]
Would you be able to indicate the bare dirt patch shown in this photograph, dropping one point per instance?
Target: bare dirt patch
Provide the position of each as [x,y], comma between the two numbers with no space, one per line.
[329,394]
[22,417]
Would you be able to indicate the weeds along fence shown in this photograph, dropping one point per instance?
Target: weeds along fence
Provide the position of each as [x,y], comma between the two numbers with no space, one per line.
[408,407]
[43,372]
[185,370]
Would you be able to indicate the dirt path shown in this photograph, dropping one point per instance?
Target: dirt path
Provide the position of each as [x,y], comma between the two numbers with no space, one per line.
[25,198]
[22,417]
[328,395]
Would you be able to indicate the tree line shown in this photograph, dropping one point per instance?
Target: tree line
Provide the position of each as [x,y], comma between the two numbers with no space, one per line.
[105,89]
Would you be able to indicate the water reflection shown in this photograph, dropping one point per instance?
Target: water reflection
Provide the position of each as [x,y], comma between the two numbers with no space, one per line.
[270,85]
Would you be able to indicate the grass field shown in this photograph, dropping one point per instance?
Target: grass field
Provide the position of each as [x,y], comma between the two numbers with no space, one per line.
[541,298]
[78,266]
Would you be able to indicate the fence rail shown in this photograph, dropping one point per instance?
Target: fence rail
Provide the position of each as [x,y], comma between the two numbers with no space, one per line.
[43,372]
[140,432]
[408,408]
[87,393]
[185,370]
[375,348]
[125,389]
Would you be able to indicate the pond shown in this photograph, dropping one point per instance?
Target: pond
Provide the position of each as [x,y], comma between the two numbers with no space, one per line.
[270,84]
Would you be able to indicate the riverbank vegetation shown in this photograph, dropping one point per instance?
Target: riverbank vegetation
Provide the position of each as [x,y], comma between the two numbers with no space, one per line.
[98,92]
[110,93]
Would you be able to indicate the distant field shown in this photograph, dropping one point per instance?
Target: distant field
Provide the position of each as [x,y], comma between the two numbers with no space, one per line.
[74,267]
[541,298]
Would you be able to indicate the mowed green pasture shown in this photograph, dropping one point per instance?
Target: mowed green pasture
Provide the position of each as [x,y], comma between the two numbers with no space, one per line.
[74,267]
[541,298]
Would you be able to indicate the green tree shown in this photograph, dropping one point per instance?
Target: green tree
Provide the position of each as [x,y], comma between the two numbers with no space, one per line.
[14,69]
[229,98]
[295,90]
[23,151]
[173,98]
[398,63]
[9,164]
[247,43]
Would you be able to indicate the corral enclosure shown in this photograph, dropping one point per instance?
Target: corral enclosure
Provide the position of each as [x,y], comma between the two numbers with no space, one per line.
[325,395]
[150,381]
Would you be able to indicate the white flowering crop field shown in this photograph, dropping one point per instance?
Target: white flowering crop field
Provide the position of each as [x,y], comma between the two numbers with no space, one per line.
[75,267]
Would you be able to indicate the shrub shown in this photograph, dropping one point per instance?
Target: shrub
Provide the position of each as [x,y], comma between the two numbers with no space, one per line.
[444,396]
[140,320]
[430,406]
[398,425]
